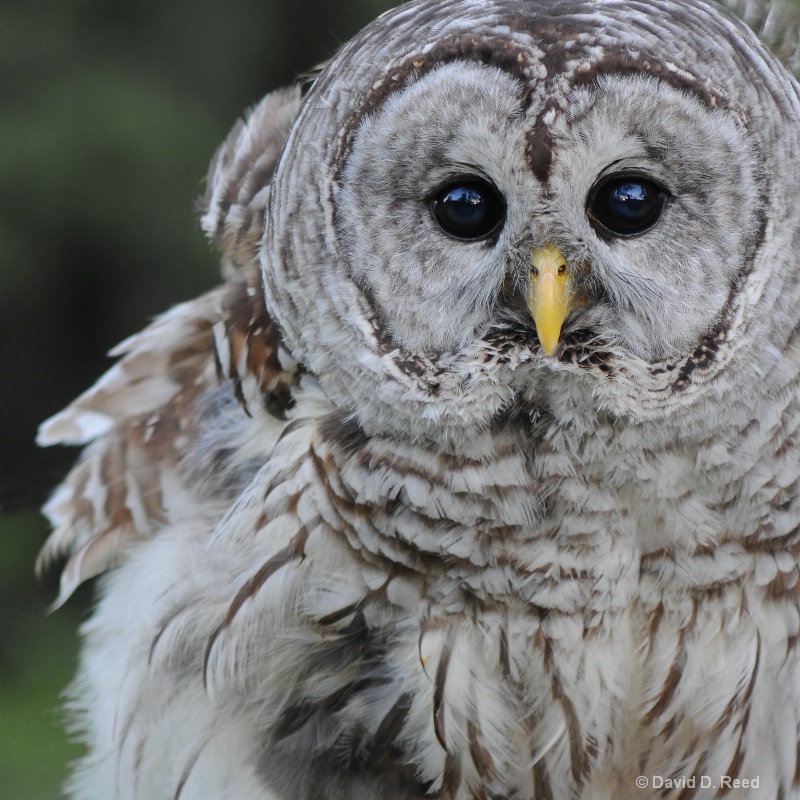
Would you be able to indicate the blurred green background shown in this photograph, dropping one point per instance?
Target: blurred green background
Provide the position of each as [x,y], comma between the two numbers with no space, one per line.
[109,115]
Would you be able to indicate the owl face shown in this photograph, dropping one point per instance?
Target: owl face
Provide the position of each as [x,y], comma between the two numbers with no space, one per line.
[441,229]
[552,191]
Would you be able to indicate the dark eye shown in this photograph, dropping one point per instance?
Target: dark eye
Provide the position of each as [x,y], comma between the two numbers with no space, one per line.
[468,209]
[626,205]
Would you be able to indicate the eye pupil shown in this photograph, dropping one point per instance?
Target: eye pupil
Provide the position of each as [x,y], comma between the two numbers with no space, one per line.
[626,206]
[468,209]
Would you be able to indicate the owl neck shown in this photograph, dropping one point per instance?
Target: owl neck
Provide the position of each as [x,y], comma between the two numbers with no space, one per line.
[565,516]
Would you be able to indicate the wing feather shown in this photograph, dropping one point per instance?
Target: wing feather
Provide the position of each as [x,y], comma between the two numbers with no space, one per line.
[232,210]
[145,421]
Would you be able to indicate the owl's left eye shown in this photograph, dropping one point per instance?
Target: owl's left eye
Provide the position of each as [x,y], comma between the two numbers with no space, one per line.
[625,205]
[468,208]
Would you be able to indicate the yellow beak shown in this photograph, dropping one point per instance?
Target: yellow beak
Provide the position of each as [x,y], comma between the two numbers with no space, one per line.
[550,297]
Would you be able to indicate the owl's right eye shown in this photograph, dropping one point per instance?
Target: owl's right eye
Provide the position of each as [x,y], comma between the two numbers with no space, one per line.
[469,209]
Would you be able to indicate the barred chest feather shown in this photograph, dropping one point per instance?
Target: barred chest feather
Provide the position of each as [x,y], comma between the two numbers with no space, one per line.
[378,620]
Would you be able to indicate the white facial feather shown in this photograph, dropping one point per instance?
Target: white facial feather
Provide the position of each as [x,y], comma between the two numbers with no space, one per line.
[459,119]
[668,286]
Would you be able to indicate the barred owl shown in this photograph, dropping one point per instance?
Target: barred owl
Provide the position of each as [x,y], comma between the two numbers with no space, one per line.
[479,476]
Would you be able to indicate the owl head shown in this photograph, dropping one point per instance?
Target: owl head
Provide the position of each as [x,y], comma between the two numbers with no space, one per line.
[571,207]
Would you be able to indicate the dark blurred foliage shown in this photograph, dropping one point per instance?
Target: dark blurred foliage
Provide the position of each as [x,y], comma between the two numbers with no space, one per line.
[109,115]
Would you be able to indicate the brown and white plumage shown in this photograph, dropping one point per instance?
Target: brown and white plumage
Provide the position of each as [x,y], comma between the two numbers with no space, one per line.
[369,539]
[142,412]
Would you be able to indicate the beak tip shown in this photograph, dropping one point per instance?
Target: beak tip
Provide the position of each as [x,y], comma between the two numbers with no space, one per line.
[549,346]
